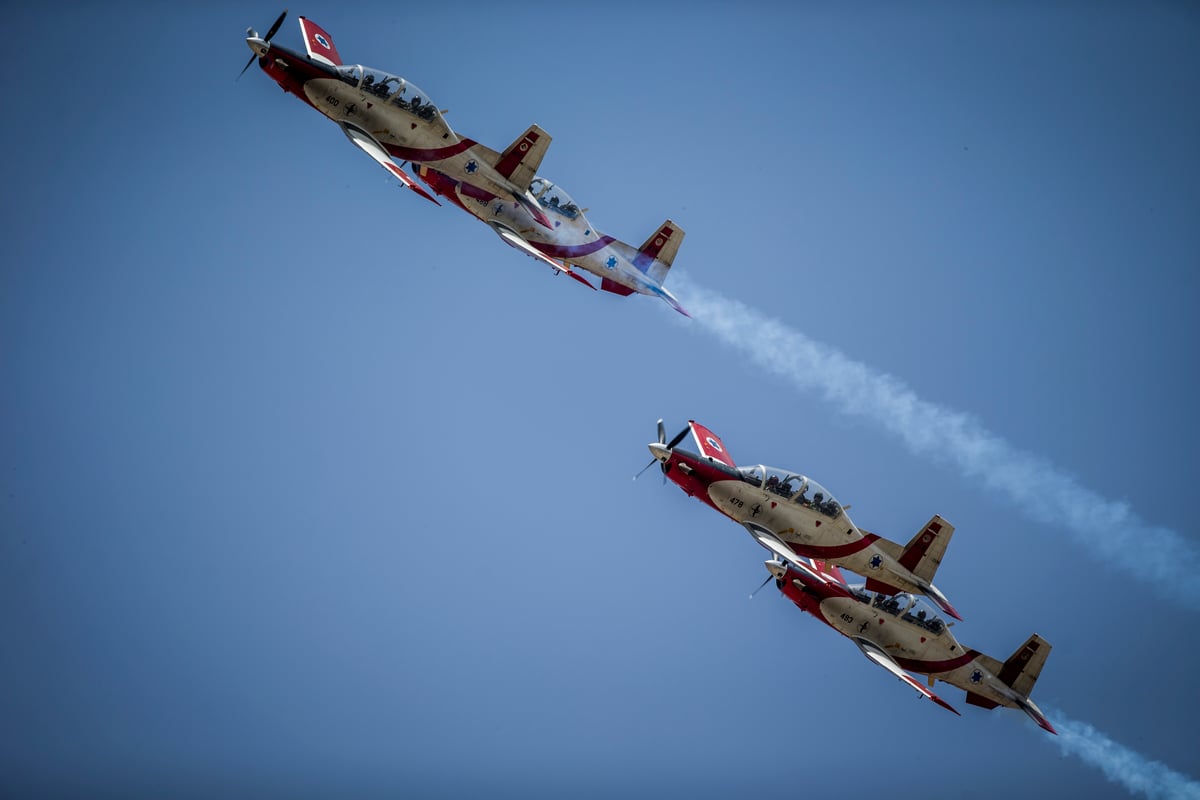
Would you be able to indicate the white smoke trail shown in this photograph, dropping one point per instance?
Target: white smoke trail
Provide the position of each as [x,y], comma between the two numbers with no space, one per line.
[1136,773]
[1045,493]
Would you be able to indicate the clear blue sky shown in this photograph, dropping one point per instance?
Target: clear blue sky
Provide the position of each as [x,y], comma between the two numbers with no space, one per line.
[308,486]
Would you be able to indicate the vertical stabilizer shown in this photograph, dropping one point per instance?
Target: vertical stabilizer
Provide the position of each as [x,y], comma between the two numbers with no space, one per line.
[520,162]
[658,252]
[319,43]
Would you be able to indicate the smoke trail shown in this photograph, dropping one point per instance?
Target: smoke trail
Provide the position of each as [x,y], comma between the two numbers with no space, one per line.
[1045,493]
[1119,764]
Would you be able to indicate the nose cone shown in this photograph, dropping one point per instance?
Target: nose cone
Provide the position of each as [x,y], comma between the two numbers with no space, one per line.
[660,452]
[776,568]
[258,46]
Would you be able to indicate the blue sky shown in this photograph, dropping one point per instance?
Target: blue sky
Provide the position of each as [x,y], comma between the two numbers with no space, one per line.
[308,485]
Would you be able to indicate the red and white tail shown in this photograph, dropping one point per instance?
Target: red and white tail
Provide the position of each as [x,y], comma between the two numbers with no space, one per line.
[923,553]
[1020,672]
[657,253]
[319,43]
[709,444]
[519,163]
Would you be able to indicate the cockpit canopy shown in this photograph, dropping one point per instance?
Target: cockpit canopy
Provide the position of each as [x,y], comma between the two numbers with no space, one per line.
[552,198]
[392,88]
[907,607]
[791,486]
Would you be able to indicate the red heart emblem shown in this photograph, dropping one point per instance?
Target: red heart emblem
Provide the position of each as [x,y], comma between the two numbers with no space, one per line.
[773,504]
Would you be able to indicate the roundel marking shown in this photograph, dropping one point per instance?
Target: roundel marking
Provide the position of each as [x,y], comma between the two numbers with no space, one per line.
[714,444]
[524,146]
[658,242]
[321,40]
[927,539]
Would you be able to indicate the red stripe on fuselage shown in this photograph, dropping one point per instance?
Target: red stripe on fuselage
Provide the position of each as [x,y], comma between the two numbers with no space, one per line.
[423,155]
[573,250]
[833,551]
[810,598]
[934,667]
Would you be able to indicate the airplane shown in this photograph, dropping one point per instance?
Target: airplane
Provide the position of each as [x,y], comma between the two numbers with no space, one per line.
[802,515]
[388,117]
[572,240]
[899,635]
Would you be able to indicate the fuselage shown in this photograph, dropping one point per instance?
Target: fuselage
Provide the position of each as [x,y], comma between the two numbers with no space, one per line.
[392,110]
[571,237]
[913,636]
[798,511]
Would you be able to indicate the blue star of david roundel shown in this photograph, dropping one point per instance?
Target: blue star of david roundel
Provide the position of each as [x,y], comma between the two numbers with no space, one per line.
[976,676]
[876,562]
[611,263]
[321,40]
[472,166]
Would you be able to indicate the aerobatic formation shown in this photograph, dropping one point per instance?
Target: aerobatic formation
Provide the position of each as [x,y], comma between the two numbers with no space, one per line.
[388,118]
[809,534]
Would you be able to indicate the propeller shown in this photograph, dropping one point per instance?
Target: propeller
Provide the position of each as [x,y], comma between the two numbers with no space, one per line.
[766,580]
[662,440]
[253,34]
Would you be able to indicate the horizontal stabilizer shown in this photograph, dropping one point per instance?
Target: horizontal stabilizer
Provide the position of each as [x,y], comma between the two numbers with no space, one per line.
[610,285]
[980,700]
[879,587]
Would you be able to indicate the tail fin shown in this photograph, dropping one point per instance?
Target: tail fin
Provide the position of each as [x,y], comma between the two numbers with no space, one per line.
[656,253]
[319,43]
[1023,667]
[923,554]
[520,162]
[710,445]
[1020,672]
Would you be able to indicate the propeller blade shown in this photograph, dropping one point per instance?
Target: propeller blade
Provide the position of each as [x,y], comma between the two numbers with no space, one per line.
[662,433]
[653,461]
[275,27]
[253,58]
[678,438]
[767,580]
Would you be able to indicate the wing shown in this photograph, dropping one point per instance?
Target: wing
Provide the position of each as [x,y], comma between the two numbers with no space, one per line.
[776,545]
[880,657]
[513,240]
[365,142]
